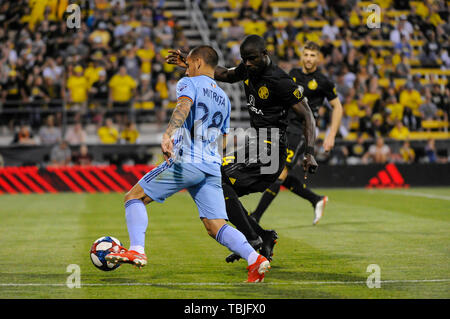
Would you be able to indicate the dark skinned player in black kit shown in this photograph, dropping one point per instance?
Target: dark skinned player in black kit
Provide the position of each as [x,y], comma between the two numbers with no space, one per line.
[270,93]
[316,87]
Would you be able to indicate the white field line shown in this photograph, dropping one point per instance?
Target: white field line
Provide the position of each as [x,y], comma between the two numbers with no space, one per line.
[416,194]
[291,283]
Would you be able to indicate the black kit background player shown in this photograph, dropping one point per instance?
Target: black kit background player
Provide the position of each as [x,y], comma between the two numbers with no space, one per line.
[270,94]
[316,87]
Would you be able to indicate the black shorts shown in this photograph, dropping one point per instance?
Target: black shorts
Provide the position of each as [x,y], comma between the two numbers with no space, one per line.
[296,148]
[247,177]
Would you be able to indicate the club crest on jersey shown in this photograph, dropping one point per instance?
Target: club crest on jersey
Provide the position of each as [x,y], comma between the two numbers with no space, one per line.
[312,85]
[263,92]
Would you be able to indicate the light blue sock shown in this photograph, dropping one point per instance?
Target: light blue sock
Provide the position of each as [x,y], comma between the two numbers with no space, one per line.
[137,222]
[235,241]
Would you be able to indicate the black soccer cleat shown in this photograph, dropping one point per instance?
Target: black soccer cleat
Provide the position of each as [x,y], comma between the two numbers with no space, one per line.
[256,244]
[269,240]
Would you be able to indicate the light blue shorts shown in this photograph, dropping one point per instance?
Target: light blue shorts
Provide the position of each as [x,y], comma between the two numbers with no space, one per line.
[206,190]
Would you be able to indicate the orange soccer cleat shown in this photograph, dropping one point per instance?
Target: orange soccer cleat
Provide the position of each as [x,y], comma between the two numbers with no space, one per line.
[257,270]
[127,257]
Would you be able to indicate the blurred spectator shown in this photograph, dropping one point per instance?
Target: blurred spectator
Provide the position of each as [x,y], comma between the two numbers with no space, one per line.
[235,32]
[100,37]
[99,91]
[77,47]
[91,73]
[342,87]
[24,136]
[331,29]
[145,93]
[433,155]
[49,134]
[163,33]
[441,100]
[13,93]
[78,87]
[416,84]
[52,70]
[407,153]
[107,133]
[132,62]
[60,154]
[356,151]
[394,109]
[399,132]
[161,98]
[403,28]
[411,101]
[146,55]
[129,134]
[428,57]
[430,151]
[428,110]
[404,47]
[122,89]
[246,11]
[82,157]
[379,126]
[122,28]
[75,135]
[402,68]
[373,125]
[38,98]
[378,153]
[265,11]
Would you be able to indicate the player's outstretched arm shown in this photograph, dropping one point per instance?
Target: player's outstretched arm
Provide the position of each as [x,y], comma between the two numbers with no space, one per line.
[229,75]
[336,117]
[177,119]
[177,57]
[303,110]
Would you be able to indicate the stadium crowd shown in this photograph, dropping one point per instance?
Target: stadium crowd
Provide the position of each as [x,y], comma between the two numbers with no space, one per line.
[114,63]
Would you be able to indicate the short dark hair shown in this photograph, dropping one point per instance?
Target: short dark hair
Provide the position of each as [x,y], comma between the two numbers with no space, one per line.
[310,45]
[255,41]
[207,54]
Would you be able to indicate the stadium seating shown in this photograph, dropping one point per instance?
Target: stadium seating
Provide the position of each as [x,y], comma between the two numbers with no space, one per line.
[293,23]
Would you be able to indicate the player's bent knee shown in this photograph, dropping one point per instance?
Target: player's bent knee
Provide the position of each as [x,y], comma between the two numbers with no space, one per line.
[213,226]
[137,192]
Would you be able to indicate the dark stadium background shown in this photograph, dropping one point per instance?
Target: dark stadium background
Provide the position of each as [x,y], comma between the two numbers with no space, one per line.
[103,87]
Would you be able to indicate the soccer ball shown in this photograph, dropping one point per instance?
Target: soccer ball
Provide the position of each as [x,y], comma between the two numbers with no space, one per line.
[102,247]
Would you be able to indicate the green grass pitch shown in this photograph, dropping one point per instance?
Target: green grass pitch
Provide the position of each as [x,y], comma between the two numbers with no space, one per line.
[405,232]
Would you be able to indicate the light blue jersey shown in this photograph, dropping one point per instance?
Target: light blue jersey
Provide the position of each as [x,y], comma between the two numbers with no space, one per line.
[197,161]
[208,119]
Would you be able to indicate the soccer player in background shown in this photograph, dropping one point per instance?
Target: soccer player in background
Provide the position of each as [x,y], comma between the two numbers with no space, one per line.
[316,87]
[270,93]
[193,162]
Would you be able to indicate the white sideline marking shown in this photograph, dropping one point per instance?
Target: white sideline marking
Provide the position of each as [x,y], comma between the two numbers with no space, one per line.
[292,283]
[414,194]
